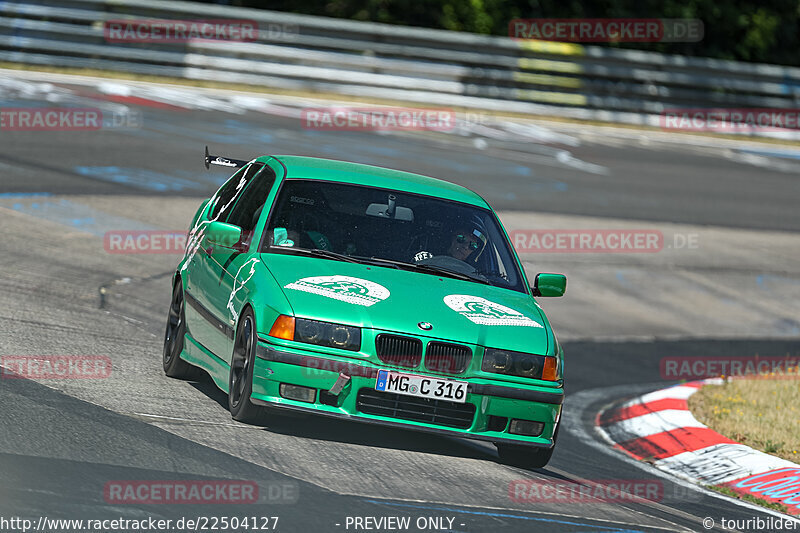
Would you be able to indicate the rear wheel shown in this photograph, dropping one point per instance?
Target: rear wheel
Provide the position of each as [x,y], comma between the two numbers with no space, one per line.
[240,382]
[526,456]
[174,366]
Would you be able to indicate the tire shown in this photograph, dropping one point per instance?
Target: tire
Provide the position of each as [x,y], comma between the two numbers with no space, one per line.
[174,337]
[526,456]
[240,381]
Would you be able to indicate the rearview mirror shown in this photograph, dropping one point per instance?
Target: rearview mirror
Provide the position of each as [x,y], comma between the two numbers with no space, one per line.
[548,285]
[222,234]
[391,210]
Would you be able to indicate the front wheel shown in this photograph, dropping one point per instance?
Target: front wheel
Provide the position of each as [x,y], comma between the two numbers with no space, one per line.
[240,382]
[526,456]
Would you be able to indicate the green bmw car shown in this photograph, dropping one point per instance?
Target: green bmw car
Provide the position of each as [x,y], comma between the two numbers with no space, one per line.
[368,294]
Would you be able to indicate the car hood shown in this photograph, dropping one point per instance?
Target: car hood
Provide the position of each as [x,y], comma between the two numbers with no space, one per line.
[398,300]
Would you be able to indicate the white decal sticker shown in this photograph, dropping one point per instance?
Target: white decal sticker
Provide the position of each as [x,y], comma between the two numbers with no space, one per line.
[344,288]
[237,285]
[482,311]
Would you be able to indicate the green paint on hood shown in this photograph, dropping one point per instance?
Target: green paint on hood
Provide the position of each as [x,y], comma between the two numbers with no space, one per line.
[397,300]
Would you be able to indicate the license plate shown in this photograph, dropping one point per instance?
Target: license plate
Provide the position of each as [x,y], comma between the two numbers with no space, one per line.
[422,386]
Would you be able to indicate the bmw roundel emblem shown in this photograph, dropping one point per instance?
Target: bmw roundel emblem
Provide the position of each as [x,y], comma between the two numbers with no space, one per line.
[426,326]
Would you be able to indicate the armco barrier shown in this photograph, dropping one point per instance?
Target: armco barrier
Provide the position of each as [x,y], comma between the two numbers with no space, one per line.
[395,62]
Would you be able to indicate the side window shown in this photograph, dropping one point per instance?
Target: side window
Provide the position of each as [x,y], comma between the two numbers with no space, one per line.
[227,195]
[247,210]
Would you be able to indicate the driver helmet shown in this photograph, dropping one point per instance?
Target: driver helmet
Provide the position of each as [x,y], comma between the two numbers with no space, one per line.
[472,238]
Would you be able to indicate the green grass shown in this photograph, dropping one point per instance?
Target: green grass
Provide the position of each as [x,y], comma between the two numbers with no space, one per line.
[749,498]
[761,413]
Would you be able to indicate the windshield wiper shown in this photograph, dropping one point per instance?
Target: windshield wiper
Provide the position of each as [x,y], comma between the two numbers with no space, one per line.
[428,268]
[377,261]
[387,262]
[447,272]
[327,254]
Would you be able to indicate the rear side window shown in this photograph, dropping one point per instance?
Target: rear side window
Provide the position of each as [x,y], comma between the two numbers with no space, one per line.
[247,210]
[225,199]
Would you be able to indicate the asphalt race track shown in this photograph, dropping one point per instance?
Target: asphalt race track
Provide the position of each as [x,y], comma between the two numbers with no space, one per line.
[734,293]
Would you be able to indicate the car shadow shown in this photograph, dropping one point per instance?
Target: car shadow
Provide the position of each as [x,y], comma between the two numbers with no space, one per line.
[322,428]
[207,386]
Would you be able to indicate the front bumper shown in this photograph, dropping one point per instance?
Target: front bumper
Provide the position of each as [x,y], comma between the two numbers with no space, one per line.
[490,401]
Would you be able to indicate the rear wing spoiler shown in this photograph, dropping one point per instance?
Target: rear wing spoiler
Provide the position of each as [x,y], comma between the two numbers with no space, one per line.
[223,161]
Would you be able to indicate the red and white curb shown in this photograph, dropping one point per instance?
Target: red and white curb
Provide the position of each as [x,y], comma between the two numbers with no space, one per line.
[659,428]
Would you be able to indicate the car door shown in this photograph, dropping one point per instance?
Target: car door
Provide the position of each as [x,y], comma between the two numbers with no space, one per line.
[233,266]
[205,320]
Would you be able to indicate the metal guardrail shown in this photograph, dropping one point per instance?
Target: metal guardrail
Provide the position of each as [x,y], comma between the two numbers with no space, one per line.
[395,62]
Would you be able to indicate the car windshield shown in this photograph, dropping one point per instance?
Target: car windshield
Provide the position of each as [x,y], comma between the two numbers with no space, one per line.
[393,229]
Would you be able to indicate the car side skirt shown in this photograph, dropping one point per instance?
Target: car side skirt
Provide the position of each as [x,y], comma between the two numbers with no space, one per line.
[196,354]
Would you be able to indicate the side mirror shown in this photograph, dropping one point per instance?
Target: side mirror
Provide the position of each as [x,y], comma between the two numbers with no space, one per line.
[549,285]
[222,234]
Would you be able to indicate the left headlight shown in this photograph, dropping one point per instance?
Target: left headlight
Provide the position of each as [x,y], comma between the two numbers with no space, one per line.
[521,364]
[327,334]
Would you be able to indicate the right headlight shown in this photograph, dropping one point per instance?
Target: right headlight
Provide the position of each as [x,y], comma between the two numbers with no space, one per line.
[521,364]
[327,334]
